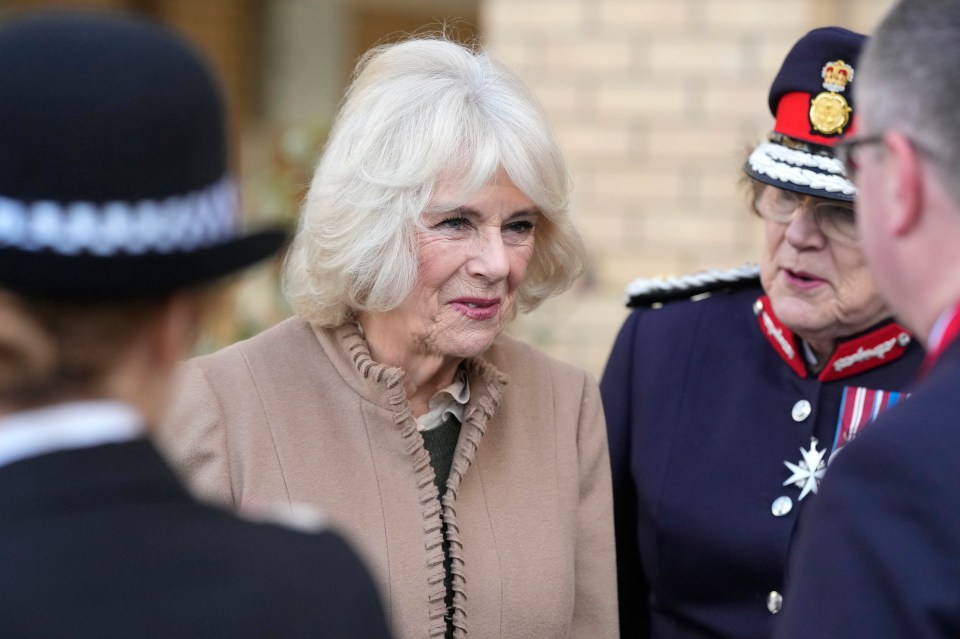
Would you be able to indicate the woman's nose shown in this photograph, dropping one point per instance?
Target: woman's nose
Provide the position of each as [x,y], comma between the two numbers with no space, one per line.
[803,230]
[489,257]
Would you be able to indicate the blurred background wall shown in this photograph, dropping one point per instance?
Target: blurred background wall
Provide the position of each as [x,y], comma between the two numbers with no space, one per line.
[654,101]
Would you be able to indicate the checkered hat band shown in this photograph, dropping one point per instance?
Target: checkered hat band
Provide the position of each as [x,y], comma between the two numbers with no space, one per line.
[792,166]
[198,219]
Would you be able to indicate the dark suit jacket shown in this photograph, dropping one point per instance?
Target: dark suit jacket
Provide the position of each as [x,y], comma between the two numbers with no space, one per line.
[700,414]
[881,556]
[104,542]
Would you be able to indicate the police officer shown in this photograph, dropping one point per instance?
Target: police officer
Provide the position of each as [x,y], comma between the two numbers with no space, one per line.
[727,394]
[116,214]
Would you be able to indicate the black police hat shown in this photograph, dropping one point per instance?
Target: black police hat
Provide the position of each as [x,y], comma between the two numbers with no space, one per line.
[812,101]
[113,170]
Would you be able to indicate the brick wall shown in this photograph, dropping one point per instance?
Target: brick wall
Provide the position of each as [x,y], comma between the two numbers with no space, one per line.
[655,103]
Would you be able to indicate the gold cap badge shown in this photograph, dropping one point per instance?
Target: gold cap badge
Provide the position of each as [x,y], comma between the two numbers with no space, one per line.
[836,75]
[829,111]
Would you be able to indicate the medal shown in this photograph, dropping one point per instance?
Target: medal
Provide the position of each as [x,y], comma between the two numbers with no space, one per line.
[859,406]
[809,471]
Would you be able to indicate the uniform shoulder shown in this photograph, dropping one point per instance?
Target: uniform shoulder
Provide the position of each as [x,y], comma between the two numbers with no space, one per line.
[291,561]
[293,516]
[281,527]
[655,292]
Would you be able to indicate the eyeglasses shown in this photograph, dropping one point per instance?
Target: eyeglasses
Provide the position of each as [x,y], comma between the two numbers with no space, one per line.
[844,151]
[836,220]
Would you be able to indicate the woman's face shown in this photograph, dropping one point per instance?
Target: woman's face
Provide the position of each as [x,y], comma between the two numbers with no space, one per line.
[819,287]
[472,259]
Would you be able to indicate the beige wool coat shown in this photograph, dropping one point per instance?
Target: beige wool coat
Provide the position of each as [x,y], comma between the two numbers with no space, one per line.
[304,415]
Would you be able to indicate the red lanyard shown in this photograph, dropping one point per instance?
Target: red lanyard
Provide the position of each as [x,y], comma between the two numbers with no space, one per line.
[950,332]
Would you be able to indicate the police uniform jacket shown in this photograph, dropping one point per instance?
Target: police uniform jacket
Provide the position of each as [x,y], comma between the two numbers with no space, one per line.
[704,407]
[104,542]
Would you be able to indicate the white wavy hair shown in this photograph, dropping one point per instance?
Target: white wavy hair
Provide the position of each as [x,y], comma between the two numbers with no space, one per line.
[418,112]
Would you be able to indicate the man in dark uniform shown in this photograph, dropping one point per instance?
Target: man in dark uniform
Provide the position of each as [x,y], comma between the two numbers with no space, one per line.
[879,555]
[726,395]
[115,208]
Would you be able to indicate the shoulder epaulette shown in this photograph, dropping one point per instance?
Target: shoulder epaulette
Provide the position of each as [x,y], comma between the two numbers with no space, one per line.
[646,292]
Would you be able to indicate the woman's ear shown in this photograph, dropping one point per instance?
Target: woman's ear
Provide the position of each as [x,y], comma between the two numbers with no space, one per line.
[177,327]
[905,172]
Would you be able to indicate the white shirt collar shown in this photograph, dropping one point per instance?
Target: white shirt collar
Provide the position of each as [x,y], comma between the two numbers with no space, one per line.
[67,426]
[808,353]
[448,401]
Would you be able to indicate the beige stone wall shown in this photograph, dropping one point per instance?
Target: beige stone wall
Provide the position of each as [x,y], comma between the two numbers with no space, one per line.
[655,103]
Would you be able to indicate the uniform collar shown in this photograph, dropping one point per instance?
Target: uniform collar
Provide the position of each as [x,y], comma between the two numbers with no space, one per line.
[880,345]
[67,426]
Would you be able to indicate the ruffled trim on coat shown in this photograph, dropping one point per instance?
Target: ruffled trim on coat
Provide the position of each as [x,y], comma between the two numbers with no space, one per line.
[488,382]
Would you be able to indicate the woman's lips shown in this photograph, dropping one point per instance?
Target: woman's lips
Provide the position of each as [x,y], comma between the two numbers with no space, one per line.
[802,280]
[477,308]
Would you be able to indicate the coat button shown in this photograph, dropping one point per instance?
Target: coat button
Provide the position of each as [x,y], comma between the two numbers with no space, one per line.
[774,602]
[801,410]
[781,506]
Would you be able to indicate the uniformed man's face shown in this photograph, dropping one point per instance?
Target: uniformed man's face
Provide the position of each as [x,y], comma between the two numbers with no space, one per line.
[819,287]
[876,201]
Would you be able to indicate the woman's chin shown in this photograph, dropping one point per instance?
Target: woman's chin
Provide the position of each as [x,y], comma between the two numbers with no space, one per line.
[798,314]
[465,346]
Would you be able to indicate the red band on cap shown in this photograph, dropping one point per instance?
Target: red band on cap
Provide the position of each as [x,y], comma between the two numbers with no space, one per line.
[793,119]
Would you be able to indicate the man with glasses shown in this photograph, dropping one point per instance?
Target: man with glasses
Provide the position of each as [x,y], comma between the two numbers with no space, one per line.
[724,412]
[881,557]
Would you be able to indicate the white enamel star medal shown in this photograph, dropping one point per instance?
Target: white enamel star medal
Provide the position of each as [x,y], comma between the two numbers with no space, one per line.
[808,473]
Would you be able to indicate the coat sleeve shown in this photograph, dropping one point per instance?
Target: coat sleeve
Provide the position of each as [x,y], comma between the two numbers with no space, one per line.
[617,388]
[193,438]
[595,607]
[877,557]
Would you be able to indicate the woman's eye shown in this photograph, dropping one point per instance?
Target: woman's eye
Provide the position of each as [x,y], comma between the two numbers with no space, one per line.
[520,227]
[453,223]
[786,198]
[842,214]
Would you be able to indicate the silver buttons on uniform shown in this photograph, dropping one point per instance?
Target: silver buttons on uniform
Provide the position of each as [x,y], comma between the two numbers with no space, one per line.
[781,506]
[801,410]
[774,602]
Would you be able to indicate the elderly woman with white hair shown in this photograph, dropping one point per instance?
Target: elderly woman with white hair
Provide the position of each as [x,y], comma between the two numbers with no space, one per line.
[470,469]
